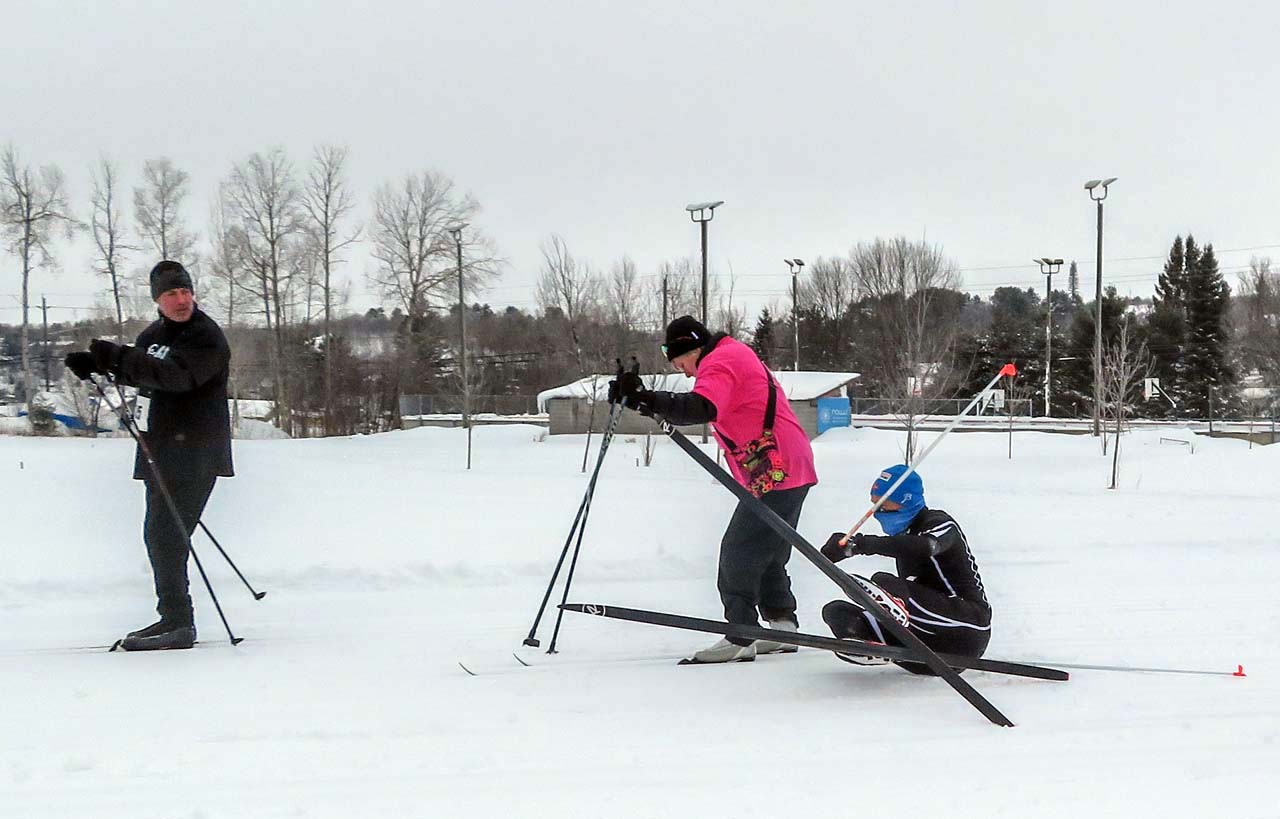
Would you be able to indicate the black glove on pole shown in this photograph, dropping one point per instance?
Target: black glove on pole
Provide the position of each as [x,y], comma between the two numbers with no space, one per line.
[81,363]
[835,550]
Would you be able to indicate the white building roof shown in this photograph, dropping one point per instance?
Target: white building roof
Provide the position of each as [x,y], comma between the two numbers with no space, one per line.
[798,386]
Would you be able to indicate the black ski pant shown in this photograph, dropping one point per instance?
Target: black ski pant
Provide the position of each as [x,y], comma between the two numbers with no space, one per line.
[946,624]
[168,545]
[753,562]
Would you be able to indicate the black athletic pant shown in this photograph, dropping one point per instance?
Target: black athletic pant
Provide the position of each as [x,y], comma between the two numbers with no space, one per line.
[946,624]
[753,562]
[167,547]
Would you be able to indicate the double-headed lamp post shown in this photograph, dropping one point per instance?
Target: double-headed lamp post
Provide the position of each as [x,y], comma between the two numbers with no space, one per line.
[1092,186]
[795,265]
[703,212]
[456,230]
[1048,267]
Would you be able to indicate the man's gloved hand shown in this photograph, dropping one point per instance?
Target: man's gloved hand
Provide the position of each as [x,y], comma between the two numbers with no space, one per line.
[81,363]
[106,354]
[835,552]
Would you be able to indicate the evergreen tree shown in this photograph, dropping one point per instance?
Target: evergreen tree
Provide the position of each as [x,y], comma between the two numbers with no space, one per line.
[1073,283]
[762,340]
[1167,325]
[1073,374]
[1170,286]
[1209,376]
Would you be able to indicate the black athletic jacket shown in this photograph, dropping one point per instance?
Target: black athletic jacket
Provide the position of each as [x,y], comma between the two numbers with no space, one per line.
[933,551]
[183,368]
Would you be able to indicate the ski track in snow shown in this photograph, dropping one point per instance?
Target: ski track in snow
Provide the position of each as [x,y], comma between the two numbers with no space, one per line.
[386,564]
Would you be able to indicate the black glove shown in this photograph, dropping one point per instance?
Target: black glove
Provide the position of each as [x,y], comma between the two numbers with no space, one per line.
[627,388]
[81,363]
[106,355]
[833,551]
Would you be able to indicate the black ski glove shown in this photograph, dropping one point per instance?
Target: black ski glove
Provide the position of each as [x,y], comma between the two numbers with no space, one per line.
[106,355]
[833,551]
[626,389]
[81,363]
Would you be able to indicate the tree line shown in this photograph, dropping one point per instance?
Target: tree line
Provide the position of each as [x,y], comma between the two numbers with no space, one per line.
[892,309]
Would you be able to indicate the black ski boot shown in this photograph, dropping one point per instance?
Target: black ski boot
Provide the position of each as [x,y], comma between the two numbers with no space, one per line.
[158,636]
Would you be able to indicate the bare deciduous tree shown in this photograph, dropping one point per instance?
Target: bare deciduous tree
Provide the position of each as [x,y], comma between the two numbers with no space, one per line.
[156,206]
[265,200]
[623,295]
[108,235]
[417,266]
[914,339]
[417,253]
[1124,366]
[571,287]
[227,264]
[1257,320]
[327,199]
[32,206]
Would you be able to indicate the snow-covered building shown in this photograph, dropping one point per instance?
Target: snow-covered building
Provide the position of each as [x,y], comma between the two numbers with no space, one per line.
[574,407]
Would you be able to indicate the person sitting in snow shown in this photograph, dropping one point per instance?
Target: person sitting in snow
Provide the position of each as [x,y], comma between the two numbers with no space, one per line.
[768,453]
[937,592]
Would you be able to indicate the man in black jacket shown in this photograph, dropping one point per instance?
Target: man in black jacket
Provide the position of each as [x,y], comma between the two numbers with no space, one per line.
[180,365]
[937,592]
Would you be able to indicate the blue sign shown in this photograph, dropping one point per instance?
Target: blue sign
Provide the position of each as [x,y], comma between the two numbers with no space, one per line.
[833,412]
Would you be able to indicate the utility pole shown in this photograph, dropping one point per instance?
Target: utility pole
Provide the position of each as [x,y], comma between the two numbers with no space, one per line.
[456,230]
[795,265]
[1048,267]
[696,214]
[1091,186]
[44,309]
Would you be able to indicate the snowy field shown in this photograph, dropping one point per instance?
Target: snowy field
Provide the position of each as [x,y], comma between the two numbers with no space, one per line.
[386,563]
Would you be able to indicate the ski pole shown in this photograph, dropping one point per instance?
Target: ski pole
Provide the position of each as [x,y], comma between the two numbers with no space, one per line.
[126,417]
[1007,369]
[257,595]
[586,512]
[615,412]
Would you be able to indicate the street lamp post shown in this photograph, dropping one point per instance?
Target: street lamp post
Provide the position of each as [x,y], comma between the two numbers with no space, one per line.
[1092,186]
[795,265]
[456,230]
[1048,267]
[696,213]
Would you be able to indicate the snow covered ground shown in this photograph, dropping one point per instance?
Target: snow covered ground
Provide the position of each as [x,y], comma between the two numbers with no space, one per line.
[387,563]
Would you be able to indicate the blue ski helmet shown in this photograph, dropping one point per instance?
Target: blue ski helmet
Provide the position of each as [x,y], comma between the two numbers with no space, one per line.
[909,495]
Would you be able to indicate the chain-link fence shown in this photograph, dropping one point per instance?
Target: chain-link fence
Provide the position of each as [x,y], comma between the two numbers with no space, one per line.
[1021,407]
[452,404]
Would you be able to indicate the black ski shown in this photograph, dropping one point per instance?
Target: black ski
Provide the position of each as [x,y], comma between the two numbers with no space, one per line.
[918,650]
[812,641]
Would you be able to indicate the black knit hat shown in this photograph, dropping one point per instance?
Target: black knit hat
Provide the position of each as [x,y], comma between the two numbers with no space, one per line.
[684,334]
[168,275]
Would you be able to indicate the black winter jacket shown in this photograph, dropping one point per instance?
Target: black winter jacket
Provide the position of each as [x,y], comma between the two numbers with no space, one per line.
[182,367]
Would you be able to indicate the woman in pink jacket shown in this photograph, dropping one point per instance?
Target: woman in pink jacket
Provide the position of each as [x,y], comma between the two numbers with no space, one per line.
[768,453]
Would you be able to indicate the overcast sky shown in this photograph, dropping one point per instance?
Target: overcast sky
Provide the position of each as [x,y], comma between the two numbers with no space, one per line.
[820,124]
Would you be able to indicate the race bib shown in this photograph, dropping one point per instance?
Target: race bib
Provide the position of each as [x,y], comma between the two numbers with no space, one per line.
[142,411]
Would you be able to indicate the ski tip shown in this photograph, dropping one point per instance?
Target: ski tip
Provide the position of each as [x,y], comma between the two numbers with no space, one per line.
[469,671]
[1239,671]
[1008,369]
[519,659]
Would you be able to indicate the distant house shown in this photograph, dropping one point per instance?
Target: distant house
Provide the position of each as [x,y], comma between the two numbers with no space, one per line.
[572,407]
